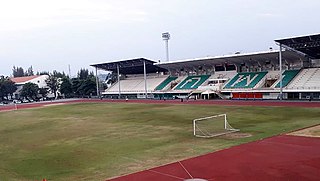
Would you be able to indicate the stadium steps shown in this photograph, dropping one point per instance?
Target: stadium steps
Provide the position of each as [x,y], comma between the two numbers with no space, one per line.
[136,85]
[218,93]
[306,79]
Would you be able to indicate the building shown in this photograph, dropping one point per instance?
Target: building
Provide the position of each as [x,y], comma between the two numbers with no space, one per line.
[39,80]
[293,72]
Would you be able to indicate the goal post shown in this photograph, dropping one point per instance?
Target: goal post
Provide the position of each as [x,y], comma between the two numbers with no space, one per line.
[212,126]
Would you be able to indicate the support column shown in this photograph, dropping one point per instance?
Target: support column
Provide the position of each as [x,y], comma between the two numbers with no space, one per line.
[118,73]
[97,82]
[145,78]
[280,64]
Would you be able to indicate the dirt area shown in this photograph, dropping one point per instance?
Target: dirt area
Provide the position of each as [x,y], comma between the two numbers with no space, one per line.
[237,135]
[308,132]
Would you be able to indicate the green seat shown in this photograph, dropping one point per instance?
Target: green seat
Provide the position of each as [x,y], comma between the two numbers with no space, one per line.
[192,82]
[166,82]
[245,80]
[287,77]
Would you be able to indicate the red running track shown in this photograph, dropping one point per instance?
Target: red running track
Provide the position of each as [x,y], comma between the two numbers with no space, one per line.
[277,158]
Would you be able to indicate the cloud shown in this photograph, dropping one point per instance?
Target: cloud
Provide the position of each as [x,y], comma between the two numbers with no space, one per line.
[17,15]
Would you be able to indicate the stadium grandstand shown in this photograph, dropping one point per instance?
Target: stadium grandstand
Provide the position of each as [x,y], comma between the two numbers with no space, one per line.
[293,72]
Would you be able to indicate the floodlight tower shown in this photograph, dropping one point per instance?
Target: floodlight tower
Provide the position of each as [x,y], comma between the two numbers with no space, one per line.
[166,37]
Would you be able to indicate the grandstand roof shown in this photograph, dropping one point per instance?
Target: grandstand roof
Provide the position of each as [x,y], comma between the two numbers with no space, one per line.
[308,44]
[248,58]
[130,66]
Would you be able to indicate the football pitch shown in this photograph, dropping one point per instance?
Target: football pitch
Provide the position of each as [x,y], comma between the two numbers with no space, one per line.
[96,141]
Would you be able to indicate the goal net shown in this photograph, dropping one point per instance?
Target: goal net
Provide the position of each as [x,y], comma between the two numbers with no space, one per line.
[212,126]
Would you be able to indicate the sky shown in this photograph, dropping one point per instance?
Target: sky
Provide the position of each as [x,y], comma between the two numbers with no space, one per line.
[53,34]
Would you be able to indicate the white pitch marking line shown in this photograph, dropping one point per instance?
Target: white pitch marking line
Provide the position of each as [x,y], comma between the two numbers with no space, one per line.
[166,174]
[141,162]
[185,169]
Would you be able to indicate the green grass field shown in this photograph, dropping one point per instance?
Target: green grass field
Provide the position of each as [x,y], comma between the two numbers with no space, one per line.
[97,141]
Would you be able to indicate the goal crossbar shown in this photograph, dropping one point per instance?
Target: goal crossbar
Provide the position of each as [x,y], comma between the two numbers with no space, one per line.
[204,131]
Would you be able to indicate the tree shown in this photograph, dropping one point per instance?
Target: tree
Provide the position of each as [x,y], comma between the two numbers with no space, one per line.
[75,84]
[43,92]
[58,74]
[17,71]
[85,87]
[84,84]
[83,74]
[29,90]
[53,84]
[29,72]
[88,87]
[7,87]
[10,87]
[2,88]
[66,87]
[43,73]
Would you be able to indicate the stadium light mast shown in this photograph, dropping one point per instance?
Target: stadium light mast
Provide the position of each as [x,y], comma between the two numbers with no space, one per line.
[166,38]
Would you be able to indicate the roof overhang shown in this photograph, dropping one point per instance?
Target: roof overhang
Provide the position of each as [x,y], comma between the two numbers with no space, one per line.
[130,66]
[254,58]
[308,44]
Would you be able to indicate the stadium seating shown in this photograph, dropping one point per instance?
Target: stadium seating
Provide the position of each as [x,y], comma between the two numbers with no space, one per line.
[192,82]
[136,84]
[223,74]
[216,81]
[166,82]
[287,77]
[272,75]
[245,80]
[306,79]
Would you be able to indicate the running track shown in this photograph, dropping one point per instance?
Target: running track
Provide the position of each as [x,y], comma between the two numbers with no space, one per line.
[289,158]
[281,157]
